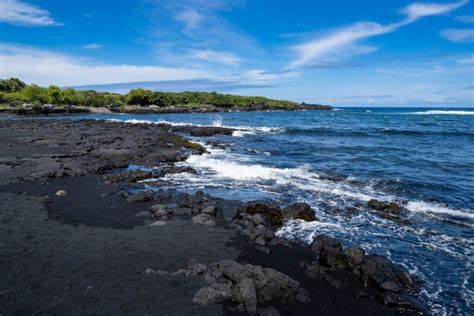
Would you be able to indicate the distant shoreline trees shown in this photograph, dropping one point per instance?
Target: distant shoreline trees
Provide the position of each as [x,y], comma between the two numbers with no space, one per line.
[14,93]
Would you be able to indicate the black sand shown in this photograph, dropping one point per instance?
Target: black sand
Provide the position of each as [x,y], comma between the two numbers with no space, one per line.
[87,252]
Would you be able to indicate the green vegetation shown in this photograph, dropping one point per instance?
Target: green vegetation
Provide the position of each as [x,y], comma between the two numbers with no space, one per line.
[14,93]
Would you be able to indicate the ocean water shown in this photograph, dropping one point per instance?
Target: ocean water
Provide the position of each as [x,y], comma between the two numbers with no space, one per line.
[336,161]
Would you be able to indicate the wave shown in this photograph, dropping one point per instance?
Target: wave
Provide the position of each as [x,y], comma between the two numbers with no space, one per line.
[436,208]
[442,112]
[240,130]
[227,167]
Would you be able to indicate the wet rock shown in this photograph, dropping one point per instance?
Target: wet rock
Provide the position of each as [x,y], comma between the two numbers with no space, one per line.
[403,302]
[390,285]
[389,207]
[203,219]
[60,193]
[355,255]
[384,274]
[270,211]
[299,211]
[209,131]
[408,282]
[141,197]
[324,241]
[128,176]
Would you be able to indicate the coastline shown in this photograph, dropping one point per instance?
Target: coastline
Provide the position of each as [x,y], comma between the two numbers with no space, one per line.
[99,239]
[165,110]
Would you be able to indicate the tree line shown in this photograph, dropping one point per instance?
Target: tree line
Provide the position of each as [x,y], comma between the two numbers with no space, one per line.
[14,93]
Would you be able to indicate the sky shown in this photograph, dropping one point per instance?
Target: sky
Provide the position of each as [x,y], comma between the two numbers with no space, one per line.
[337,52]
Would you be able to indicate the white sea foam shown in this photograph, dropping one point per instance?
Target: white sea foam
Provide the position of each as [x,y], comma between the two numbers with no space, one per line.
[240,130]
[443,112]
[231,167]
[434,208]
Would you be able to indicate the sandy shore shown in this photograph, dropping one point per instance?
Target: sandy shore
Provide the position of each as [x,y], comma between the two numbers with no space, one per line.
[99,249]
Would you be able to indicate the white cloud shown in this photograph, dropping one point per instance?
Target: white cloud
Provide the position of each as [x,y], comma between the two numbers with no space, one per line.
[190,17]
[21,13]
[339,42]
[458,35]
[227,58]
[45,67]
[417,10]
[92,46]
[467,60]
[469,19]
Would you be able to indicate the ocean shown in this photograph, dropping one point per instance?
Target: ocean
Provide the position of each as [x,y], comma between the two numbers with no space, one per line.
[336,161]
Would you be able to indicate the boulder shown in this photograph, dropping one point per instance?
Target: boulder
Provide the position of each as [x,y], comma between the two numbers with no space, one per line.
[211,210]
[159,210]
[404,302]
[209,131]
[386,275]
[299,211]
[203,219]
[355,256]
[246,287]
[141,197]
[388,207]
[270,211]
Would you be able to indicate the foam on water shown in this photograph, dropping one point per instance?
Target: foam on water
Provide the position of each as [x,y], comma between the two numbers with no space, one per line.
[240,130]
[441,112]
[435,208]
[228,167]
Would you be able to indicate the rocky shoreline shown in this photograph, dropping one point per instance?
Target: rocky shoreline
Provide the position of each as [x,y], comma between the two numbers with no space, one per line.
[81,235]
[165,110]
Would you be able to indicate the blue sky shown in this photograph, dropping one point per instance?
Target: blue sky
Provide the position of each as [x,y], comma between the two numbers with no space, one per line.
[353,52]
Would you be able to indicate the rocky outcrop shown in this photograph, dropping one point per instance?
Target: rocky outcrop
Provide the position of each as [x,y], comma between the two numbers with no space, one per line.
[242,287]
[387,210]
[392,281]
[276,216]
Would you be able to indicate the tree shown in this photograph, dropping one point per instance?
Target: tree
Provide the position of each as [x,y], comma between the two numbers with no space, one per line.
[35,93]
[139,96]
[11,85]
[55,95]
[70,96]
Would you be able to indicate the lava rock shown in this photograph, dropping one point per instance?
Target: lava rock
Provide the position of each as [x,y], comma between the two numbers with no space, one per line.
[203,219]
[248,286]
[299,211]
[355,256]
[388,207]
[141,197]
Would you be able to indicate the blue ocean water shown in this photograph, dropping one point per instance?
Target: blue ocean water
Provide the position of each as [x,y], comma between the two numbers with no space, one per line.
[336,161]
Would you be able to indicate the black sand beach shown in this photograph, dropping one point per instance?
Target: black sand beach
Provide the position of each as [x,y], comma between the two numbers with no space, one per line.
[98,249]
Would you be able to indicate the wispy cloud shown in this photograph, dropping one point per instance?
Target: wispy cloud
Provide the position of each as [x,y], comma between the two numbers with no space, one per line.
[200,25]
[342,40]
[21,13]
[45,67]
[190,17]
[227,58]
[466,60]
[92,46]
[458,35]
[468,19]
[416,11]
